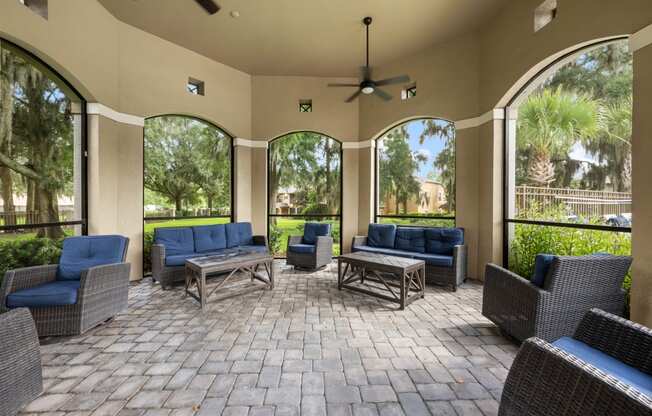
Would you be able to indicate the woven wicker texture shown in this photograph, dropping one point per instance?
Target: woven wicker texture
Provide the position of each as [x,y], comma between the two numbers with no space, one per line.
[322,256]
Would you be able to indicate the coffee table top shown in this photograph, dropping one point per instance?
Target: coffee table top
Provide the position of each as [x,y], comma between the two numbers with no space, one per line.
[381,260]
[227,261]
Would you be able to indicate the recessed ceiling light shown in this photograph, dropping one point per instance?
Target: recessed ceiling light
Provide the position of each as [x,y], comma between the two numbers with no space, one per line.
[235,14]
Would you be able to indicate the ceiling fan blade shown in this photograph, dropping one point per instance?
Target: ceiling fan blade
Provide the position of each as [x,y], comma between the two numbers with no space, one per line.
[382,94]
[365,73]
[343,85]
[394,80]
[209,5]
[353,97]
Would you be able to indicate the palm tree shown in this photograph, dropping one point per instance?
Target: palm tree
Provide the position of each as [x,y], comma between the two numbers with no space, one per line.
[550,123]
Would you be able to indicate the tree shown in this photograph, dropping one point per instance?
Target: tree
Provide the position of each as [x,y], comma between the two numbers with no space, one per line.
[397,169]
[212,164]
[444,162]
[170,157]
[550,123]
[7,78]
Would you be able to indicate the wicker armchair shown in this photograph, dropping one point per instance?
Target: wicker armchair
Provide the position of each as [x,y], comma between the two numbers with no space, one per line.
[102,294]
[545,380]
[21,380]
[572,286]
[322,255]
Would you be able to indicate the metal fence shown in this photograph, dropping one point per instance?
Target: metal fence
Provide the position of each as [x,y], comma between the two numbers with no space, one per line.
[580,202]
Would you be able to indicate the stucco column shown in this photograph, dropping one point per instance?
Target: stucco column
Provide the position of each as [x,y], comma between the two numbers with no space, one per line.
[242,181]
[466,193]
[115,184]
[259,189]
[365,187]
[350,193]
[641,293]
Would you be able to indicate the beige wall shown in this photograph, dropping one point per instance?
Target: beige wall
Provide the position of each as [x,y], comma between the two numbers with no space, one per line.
[467,151]
[641,297]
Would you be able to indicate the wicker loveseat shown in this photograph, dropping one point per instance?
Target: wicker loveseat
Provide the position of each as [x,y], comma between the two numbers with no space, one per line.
[605,369]
[89,286]
[173,245]
[571,285]
[442,249]
[21,379]
[312,250]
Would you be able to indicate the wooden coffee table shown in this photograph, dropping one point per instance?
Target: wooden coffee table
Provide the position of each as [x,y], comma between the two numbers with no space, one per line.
[199,267]
[395,279]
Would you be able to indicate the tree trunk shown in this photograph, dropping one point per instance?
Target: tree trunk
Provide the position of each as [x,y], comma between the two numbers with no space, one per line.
[398,201]
[541,171]
[209,202]
[7,194]
[177,205]
[6,133]
[48,213]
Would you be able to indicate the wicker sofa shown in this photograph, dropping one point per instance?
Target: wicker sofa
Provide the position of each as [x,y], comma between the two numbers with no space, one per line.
[21,379]
[571,286]
[605,369]
[442,249]
[312,250]
[173,245]
[90,285]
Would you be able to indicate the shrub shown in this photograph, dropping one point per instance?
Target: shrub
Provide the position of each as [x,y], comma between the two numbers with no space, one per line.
[28,252]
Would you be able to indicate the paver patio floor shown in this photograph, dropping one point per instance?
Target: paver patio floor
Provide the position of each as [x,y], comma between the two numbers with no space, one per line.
[303,348]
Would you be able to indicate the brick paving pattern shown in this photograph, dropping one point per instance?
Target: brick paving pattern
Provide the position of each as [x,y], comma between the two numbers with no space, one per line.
[303,348]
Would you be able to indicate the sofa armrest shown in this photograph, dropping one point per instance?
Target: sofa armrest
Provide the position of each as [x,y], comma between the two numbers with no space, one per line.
[20,359]
[260,240]
[324,244]
[158,260]
[543,380]
[358,240]
[624,340]
[294,239]
[24,278]
[105,277]
[460,260]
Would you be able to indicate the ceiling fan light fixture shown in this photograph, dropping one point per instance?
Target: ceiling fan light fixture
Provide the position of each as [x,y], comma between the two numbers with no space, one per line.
[367,90]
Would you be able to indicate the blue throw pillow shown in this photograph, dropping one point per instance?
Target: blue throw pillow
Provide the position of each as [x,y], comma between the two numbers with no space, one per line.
[245,234]
[411,239]
[312,230]
[177,240]
[542,265]
[381,235]
[442,240]
[83,252]
[232,234]
[209,237]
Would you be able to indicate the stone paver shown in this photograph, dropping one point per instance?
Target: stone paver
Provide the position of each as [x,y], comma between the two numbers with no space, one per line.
[303,348]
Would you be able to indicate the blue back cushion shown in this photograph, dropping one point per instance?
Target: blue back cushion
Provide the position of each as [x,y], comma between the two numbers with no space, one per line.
[232,234]
[441,240]
[381,235]
[82,253]
[176,240]
[209,237]
[245,234]
[411,239]
[542,264]
[312,230]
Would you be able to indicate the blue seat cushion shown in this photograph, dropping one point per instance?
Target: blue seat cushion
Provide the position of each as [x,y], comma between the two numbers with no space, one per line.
[410,239]
[245,234]
[56,293]
[381,235]
[83,252]
[312,230]
[250,248]
[542,264]
[440,240]
[302,248]
[209,237]
[387,251]
[232,234]
[177,240]
[606,363]
[435,259]
[180,259]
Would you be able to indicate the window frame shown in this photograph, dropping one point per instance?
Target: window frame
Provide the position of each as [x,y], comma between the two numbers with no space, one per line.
[377,178]
[307,216]
[83,221]
[540,75]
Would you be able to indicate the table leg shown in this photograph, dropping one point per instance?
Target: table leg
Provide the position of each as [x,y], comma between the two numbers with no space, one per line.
[202,291]
[402,289]
[422,277]
[271,274]
[339,274]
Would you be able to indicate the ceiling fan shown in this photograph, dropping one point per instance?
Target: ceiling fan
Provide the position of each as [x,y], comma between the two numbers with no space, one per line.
[367,85]
[209,5]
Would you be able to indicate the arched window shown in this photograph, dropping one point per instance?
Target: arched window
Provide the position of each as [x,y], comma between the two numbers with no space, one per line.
[42,162]
[305,184]
[187,174]
[568,159]
[415,174]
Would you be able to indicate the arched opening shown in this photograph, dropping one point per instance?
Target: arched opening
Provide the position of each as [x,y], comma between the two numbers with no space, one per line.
[415,173]
[187,175]
[42,160]
[568,158]
[304,184]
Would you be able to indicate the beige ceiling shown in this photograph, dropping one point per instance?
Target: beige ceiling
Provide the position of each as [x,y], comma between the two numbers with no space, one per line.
[305,37]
